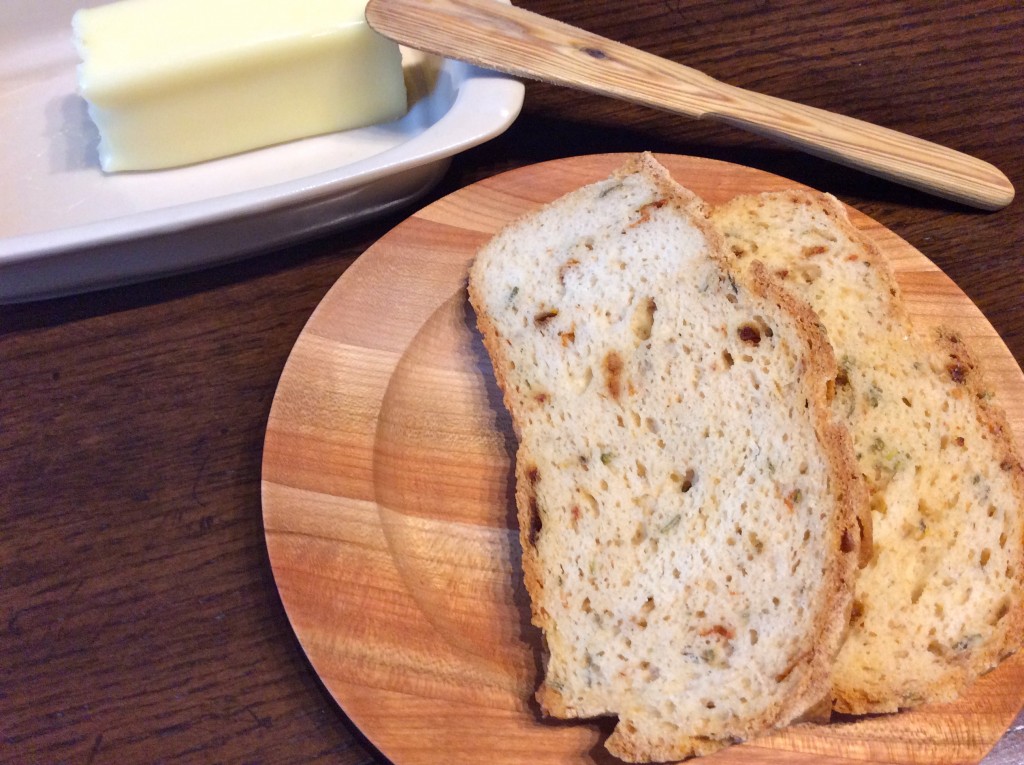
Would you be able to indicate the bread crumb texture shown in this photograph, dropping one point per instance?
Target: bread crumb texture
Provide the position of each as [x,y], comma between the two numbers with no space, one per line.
[940,600]
[685,502]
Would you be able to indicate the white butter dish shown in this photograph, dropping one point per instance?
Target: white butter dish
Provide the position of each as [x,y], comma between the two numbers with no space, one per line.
[69,227]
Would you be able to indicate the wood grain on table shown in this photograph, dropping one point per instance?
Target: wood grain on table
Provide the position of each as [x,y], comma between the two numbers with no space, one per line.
[139,617]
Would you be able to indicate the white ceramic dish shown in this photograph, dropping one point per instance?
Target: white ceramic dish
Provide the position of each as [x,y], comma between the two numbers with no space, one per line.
[68,227]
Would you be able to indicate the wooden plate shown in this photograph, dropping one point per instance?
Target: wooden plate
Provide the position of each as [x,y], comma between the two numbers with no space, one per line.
[389,517]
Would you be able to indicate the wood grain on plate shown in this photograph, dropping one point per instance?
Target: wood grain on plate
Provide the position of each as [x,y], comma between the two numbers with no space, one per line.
[388,502]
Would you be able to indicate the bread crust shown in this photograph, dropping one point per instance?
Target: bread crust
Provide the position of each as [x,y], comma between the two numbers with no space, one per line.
[811,669]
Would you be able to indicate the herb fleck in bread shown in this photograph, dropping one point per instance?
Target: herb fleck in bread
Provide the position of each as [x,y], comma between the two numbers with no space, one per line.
[686,504]
[940,601]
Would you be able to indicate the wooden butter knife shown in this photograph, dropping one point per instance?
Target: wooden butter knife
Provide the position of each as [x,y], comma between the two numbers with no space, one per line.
[502,37]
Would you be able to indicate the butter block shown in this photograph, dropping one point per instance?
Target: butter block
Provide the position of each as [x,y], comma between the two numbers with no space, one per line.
[174,82]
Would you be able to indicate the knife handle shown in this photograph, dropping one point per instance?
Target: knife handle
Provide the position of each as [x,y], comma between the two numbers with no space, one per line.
[502,37]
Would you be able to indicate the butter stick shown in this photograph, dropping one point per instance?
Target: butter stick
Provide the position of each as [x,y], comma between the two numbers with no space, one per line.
[174,82]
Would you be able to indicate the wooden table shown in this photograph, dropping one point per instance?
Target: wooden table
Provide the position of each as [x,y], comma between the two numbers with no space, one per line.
[139,620]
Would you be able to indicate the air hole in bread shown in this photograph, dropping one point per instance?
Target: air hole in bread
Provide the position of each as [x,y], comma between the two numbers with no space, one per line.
[583,381]
[643,319]
[753,636]
[1002,539]
[589,501]
[639,534]
[755,542]
[727,358]
[535,521]
[847,544]
[1002,609]
[641,469]
[809,272]
[916,593]
[565,268]
[586,606]
[984,557]
[856,611]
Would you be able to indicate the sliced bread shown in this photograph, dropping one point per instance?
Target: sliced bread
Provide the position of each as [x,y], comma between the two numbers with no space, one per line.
[941,599]
[686,501]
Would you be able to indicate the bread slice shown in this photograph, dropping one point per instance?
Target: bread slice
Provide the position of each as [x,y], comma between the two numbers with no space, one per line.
[685,501]
[940,601]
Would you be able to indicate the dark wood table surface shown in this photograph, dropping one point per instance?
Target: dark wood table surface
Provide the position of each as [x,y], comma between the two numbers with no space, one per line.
[139,620]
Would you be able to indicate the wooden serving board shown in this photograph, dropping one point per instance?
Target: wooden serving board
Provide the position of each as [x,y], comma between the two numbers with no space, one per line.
[389,513]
